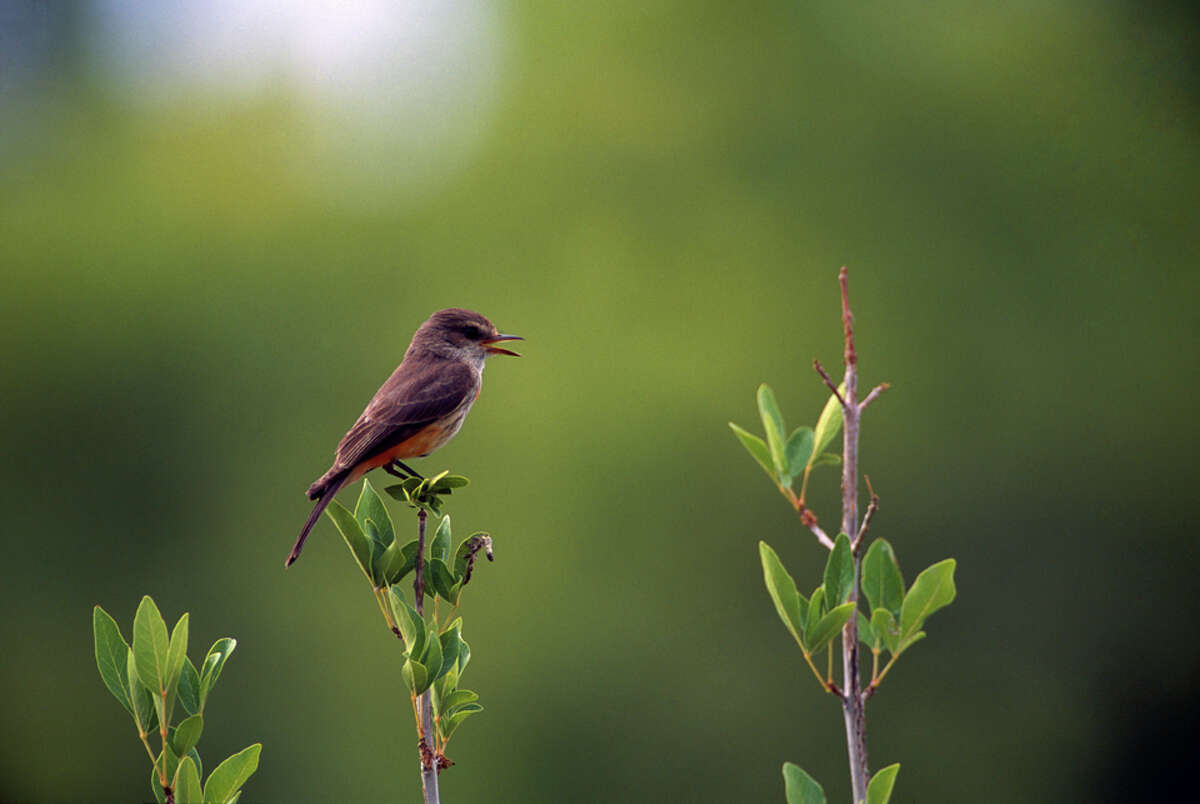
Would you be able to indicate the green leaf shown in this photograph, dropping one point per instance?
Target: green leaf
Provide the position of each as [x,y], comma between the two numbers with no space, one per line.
[214,662]
[464,654]
[828,423]
[151,646]
[829,626]
[451,642]
[440,546]
[443,581]
[390,564]
[789,603]
[446,686]
[139,696]
[176,656]
[879,791]
[798,450]
[866,631]
[415,675]
[772,421]
[403,490]
[111,656]
[757,449]
[369,506]
[411,626]
[933,589]
[801,788]
[457,699]
[406,564]
[448,482]
[155,786]
[189,687]
[432,659]
[377,547]
[450,723]
[352,532]
[187,734]
[827,459]
[187,784]
[882,582]
[816,608]
[228,777]
[839,572]
[886,629]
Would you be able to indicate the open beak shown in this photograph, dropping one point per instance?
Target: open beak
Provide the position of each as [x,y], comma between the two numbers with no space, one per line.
[496,350]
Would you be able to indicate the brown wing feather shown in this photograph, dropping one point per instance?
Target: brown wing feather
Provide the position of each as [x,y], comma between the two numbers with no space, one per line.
[407,402]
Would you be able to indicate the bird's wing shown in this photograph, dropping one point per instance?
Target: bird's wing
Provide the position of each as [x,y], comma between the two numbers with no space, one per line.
[405,404]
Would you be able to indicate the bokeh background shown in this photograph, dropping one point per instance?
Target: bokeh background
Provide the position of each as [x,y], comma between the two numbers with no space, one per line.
[220,223]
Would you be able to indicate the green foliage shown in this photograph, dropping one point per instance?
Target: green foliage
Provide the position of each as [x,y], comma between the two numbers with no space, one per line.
[772,421]
[893,619]
[882,582]
[879,791]
[427,493]
[829,423]
[789,603]
[785,457]
[932,590]
[147,678]
[839,572]
[800,787]
[756,447]
[435,656]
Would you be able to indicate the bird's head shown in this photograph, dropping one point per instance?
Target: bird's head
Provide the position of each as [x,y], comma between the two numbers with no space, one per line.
[461,334]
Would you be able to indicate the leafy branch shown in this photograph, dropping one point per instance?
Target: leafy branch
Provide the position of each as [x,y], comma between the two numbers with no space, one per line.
[148,679]
[435,653]
[894,618]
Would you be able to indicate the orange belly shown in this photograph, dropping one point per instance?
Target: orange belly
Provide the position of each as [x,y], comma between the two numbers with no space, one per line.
[424,442]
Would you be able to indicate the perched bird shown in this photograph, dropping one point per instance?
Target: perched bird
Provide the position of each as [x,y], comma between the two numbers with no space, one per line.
[420,407]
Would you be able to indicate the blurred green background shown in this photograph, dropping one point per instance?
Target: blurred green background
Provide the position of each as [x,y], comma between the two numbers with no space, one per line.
[221,223]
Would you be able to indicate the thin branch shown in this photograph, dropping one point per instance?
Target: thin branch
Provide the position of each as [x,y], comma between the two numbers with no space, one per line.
[809,520]
[426,733]
[832,387]
[867,517]
[875,392]
[852,701]
[807,517]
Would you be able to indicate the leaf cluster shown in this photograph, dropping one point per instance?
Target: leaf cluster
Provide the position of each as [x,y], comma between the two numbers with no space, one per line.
[149,678]
[897,616]
[783,456]
[426,493]
[804,789]
[434,656]
[385,561]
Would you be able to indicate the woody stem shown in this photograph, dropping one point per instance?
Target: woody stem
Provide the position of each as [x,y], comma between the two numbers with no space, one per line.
[427,737]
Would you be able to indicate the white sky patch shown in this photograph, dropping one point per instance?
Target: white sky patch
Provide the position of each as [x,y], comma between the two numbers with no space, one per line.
[392,91]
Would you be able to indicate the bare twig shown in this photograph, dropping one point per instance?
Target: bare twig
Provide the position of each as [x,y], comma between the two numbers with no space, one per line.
[875,392]
[852,701]
[867,517]
[832,386]
[822,537]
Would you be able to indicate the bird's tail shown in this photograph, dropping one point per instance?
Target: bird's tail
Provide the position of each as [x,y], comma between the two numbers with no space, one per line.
[326,495]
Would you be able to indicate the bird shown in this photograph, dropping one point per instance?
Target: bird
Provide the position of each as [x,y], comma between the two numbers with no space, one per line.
[418,409]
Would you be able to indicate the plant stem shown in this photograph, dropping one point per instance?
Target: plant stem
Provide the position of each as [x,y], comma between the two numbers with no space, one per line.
[852,702]
[426,736]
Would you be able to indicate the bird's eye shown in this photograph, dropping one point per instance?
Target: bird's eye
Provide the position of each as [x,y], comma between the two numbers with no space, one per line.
[471,331]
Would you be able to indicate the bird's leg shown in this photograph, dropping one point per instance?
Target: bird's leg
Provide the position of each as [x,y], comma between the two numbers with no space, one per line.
[391,469]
